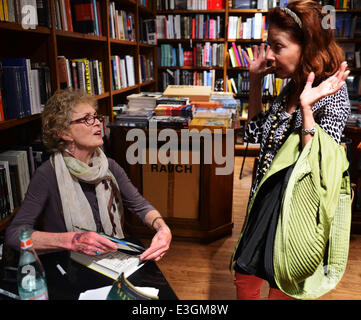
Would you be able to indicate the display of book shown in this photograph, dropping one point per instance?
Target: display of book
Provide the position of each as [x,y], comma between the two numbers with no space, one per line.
[111,264]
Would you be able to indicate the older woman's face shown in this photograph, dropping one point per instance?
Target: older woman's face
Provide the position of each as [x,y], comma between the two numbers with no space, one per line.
[284,54]
[84,136]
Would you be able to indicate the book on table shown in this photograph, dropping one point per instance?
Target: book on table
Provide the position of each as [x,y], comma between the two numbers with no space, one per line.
[111,264]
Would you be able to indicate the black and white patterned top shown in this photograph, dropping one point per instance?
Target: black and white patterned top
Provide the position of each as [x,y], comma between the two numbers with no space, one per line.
[271,128]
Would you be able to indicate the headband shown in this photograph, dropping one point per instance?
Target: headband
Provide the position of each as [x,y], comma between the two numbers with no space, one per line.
[293,15]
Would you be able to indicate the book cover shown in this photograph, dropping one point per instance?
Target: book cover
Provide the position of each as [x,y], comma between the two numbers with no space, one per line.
[83,18]
[201,93]
[122,289]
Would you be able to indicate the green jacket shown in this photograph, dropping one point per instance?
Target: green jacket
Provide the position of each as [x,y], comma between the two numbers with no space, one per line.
[312,236]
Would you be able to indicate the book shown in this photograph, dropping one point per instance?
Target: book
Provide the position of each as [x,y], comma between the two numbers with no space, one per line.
[122,289]
[83,17]
[200,93]
[5,165]
[110,264]
[209,123]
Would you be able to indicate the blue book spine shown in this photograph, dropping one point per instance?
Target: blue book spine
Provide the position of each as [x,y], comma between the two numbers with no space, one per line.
[12,94]
[95,17]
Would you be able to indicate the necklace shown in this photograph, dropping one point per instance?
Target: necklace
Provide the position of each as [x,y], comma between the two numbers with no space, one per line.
[273,143]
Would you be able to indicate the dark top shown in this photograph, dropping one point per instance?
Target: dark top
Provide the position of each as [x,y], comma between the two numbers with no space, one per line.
[41,209]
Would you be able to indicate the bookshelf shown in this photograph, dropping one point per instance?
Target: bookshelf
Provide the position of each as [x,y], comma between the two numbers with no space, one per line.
[45,44]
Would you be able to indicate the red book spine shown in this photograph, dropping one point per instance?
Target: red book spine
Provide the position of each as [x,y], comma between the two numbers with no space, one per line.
[68,15]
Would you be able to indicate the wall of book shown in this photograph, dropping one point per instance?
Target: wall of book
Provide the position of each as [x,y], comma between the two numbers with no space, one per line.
[106,48]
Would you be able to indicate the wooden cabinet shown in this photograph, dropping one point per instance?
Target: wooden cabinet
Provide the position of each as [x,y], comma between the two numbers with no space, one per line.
[213,218]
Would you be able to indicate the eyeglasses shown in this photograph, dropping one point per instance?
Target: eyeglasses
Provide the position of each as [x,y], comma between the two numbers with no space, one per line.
[88,119]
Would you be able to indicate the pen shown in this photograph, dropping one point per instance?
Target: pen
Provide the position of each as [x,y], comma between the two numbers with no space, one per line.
[121,241]
[61,270]
[9,294]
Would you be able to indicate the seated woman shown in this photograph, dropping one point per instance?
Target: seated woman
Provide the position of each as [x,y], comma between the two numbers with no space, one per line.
[80,187]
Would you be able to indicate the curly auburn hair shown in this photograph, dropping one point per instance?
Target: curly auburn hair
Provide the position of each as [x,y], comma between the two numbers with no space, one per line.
[320,52]
[56,116]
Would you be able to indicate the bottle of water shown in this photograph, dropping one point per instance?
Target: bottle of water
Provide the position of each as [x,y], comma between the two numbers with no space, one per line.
[31,276]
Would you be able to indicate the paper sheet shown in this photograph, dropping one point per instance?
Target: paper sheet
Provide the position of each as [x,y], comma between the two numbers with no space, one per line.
[101,293]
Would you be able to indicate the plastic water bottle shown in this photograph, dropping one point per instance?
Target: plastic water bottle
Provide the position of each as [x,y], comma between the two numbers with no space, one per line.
[31,276]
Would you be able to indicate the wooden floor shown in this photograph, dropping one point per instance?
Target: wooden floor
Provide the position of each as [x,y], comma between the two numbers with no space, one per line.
[200,272]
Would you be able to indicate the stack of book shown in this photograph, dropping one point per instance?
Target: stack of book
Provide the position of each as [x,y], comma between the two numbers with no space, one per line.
[143,100]
[251,28]
[134,118]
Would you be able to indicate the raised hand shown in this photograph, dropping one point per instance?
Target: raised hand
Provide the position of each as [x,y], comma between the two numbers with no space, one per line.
[258,66]
[310,95]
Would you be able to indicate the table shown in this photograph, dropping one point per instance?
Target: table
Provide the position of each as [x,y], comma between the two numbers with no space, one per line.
[80,278]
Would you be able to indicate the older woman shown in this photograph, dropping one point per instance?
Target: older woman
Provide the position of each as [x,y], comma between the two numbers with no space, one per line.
[80,187]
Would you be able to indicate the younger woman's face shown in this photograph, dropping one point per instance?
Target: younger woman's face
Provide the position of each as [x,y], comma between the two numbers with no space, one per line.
[284,54]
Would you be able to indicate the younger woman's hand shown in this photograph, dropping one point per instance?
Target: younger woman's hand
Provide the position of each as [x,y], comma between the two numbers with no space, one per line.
[310,95]
[258,65]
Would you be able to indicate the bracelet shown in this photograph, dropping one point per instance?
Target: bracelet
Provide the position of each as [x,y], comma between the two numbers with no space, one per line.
[154,220]
[309,131]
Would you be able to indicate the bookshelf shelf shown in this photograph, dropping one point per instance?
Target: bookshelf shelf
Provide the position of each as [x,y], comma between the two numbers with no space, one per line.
[190,11]
[79,36]
[147,83]
[160,41]
[12,26]
[123,90]
[12,123]
[190,68]
[123,42]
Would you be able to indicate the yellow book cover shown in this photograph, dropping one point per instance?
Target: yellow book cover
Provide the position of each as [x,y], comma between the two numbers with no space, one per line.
[101,75]
[87,74]
[229,85]
[250,52]
[1,11]
[6,12]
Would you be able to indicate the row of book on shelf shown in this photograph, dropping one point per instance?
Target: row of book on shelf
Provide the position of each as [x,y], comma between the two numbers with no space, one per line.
[268,4]
[185,77]
[190,4]
[180,107]
[82,73]
[10,11]
[196,26]
[249,28]
[347,26]
[202,55]
[25,87]
[17,166]
[121,23]
[78,16]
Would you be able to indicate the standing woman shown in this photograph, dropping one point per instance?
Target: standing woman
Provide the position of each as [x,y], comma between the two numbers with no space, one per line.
[80,187]
[314,103]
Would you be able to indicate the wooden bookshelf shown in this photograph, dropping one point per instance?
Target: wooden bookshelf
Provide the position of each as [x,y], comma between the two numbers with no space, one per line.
[44,44]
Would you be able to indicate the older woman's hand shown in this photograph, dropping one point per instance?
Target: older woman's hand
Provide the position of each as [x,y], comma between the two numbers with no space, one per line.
[159,245]
[92,243]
